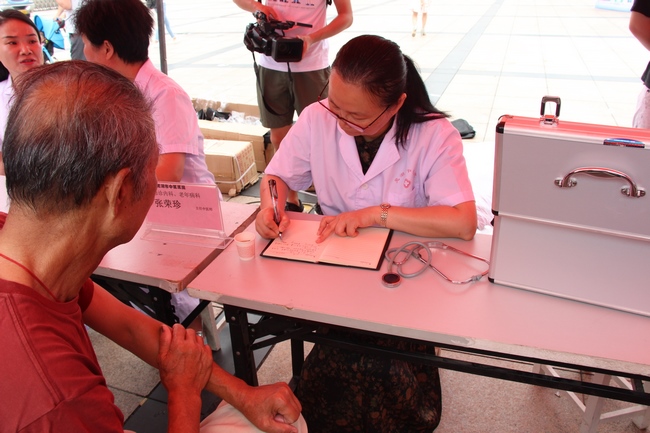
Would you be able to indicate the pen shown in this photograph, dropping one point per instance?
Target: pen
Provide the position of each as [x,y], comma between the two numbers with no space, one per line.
[274,199]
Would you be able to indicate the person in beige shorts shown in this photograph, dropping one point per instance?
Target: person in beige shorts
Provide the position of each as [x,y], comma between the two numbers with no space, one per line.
[421,7]
[285,88]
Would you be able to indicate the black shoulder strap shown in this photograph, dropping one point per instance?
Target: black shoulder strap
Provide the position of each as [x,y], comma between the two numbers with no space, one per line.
[256,68]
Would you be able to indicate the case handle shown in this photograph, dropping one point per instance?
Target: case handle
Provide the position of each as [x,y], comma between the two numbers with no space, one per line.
[550,119]
[608,173]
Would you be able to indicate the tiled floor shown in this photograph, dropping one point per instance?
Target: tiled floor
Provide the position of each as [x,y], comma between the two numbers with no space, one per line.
[480,59]
[473,404]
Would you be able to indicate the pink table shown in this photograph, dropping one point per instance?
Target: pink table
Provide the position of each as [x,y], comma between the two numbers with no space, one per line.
[480,317]
[169,266]
[166,268]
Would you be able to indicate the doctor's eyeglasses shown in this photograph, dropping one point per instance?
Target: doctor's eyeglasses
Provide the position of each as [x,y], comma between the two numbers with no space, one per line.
[347,122]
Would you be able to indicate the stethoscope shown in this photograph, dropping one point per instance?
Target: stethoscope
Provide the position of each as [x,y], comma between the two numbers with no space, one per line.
[413,249]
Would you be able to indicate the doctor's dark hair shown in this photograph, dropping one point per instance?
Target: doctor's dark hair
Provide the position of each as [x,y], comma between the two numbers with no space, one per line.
[13,14]
[126,24]
[72,125]
[379,66]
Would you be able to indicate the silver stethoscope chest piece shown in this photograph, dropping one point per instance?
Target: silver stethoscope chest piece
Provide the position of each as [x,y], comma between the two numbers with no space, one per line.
[391,280]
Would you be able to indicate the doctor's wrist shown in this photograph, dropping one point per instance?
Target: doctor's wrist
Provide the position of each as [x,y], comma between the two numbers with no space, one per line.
[383,215]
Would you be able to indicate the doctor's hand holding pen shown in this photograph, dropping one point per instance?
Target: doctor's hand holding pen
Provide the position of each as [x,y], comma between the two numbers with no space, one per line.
[271,221]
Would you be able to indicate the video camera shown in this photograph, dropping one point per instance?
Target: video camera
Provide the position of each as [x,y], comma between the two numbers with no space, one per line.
[263,38]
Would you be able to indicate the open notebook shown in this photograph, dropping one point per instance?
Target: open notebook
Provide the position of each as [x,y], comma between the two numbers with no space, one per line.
[299,243]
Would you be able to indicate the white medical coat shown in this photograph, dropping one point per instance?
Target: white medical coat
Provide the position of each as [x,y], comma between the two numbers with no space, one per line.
[429,171]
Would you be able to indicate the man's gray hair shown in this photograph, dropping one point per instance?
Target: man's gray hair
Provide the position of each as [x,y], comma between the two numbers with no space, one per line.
[73,124]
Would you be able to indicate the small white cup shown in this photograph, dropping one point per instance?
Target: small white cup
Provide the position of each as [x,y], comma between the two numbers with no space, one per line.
[245,242]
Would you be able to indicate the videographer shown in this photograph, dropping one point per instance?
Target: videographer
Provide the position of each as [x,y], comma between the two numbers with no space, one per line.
[287,87]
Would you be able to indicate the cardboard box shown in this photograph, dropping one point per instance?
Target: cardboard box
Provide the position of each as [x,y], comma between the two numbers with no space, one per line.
[241,132]
[248,110]
[226,107]
[232,163]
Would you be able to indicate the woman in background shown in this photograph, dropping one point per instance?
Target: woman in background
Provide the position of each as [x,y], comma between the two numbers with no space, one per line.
[420,7]
[20,51]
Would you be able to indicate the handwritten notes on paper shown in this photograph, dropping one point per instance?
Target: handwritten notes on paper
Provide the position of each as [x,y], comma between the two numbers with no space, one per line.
[299,243]
[297,250]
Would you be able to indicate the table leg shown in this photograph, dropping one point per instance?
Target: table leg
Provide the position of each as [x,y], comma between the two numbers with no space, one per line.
[297,357]
[592,409]
[241,344]
[210,328]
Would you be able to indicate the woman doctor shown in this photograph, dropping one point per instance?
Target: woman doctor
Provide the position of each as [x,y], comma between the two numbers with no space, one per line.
[377,151]
[379,154]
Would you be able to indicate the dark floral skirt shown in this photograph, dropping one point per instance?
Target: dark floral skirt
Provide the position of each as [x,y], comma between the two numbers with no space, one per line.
[346,391]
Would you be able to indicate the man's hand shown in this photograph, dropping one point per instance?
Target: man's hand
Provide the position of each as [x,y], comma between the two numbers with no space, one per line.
[270,13]
[307,40]
[184,360]
[272,408]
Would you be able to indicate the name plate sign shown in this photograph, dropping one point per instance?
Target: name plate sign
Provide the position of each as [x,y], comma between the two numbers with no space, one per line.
[188,214]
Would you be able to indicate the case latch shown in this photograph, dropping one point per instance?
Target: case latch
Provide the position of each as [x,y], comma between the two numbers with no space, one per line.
[624,142]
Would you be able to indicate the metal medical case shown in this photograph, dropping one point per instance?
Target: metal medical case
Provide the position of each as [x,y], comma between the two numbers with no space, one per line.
[572,217]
